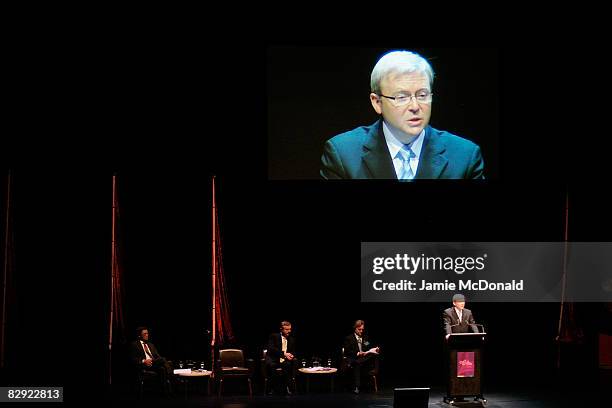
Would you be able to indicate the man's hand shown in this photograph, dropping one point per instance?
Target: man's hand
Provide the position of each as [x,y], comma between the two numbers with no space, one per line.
[289,356]
[148,362]
[447,336]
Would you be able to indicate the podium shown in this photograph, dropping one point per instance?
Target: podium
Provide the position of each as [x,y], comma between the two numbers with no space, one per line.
[464,352]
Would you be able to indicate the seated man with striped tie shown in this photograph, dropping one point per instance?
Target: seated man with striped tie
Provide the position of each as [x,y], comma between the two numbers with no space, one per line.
[401,145]
[145,356]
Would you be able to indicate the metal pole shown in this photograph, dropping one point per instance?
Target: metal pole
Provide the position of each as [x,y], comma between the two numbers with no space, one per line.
[214,276]
[563,280]
[6,265]
[112,304]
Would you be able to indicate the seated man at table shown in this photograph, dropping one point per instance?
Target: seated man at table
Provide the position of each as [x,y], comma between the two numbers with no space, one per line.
[281,354]
[360,354]
[144,355]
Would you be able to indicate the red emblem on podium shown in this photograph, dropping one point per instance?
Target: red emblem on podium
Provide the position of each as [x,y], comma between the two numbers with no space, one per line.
[465,364]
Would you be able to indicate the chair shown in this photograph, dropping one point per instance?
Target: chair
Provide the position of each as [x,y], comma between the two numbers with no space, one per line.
[345,365]
[145,377]
[267,378]
[231,364]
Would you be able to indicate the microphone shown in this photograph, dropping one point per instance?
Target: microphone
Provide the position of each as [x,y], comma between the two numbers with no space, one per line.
[450,327]
[478,324]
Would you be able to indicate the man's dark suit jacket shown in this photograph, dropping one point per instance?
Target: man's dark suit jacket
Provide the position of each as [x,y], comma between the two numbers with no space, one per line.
[450,318]
[362,153]
[137,352]
[351,347]
[275,348]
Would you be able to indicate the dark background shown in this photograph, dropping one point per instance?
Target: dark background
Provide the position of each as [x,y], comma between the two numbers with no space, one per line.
[315,93]
[166,121]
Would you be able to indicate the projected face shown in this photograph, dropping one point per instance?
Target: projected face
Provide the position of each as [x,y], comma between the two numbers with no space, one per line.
[410,118]
[285,330]
[459,305]
[359,330]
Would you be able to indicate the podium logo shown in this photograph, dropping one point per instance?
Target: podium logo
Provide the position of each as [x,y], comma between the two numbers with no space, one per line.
[466,363]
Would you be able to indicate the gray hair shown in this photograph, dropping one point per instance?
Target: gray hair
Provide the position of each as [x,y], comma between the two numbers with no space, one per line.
[400,62]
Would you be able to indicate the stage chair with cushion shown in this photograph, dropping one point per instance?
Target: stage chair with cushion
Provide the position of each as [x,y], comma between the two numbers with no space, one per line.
[147,380]
[232,364]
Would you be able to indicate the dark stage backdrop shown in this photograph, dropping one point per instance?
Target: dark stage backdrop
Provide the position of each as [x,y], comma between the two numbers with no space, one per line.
[166,122]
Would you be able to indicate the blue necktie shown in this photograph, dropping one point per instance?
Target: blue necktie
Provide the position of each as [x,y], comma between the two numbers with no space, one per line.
[405,154]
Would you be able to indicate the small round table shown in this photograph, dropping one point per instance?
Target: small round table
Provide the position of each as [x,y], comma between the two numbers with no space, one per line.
[186,378]
[318,371]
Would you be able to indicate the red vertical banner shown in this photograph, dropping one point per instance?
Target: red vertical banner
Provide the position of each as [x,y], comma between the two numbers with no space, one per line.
[213,336]
[466,364]
[605,351]
[221,325]
[116,330]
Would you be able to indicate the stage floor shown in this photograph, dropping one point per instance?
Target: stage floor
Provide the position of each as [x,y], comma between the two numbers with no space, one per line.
[500,399]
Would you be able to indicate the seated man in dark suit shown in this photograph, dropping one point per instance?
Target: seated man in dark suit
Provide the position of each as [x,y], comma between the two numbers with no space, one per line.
[144,355]
[360,354]
[401,145]
[281,354]
[458,319]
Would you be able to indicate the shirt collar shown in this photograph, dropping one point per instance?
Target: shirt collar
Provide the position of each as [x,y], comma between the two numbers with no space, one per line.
[394,143]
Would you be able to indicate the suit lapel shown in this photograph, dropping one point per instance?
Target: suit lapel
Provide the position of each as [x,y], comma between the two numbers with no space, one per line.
[376,155]
[432,161]
[354,341]
[456,316]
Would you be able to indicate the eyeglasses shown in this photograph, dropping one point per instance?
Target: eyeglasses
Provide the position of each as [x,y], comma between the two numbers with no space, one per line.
[401,99]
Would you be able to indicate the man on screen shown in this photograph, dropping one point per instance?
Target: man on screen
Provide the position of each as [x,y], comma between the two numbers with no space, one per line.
[401,145]
[458,319]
